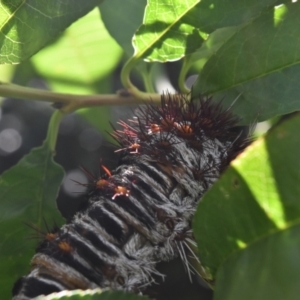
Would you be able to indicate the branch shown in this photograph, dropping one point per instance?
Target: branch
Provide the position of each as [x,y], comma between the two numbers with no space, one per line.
[71,102]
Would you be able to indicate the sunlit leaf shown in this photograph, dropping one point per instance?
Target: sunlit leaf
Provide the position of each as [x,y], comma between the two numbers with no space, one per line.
[167,32]
[82,56]
[268,269]
[173,29]
[80,62]
[26,26]
[256,197]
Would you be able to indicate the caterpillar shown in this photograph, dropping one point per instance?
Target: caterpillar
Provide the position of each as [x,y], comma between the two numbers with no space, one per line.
[140,213]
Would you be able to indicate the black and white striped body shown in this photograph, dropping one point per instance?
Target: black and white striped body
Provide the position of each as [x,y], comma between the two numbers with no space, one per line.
[117,241]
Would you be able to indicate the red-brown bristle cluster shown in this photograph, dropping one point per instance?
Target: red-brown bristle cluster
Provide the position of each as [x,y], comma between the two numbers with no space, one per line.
[191,115]
[120,191]
[50,236]
[105,184]
[152,130]
[177,115]
[102,183]
[127,137]
[64,246]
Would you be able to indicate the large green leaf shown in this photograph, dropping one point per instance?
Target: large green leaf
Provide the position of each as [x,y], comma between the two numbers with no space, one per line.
[27,192]
[170,20]
[260,62]
[214,14]
[167,33]
[26,26]
[268,269]
[126,14]
[80,62]
[198,59]
[82,56]
[172,28]
[256,197]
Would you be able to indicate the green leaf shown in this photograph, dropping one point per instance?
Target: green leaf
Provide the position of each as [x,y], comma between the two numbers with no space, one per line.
[256,197]
[173,28]
[268,269]
[80,62]
[6,72]
[208,48]
[260,62]
[129,13]
[168,32]
[27,26]
[82,56]
[92,295]
[215,14]
[27,192]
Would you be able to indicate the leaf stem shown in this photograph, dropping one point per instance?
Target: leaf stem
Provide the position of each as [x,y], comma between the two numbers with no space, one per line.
[182,76]
[21,92]
[125,74]
[147,79]
[53,129]
[133,90]
[71,102]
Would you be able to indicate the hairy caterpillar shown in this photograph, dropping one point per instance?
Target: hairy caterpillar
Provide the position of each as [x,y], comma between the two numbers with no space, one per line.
[141,213]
